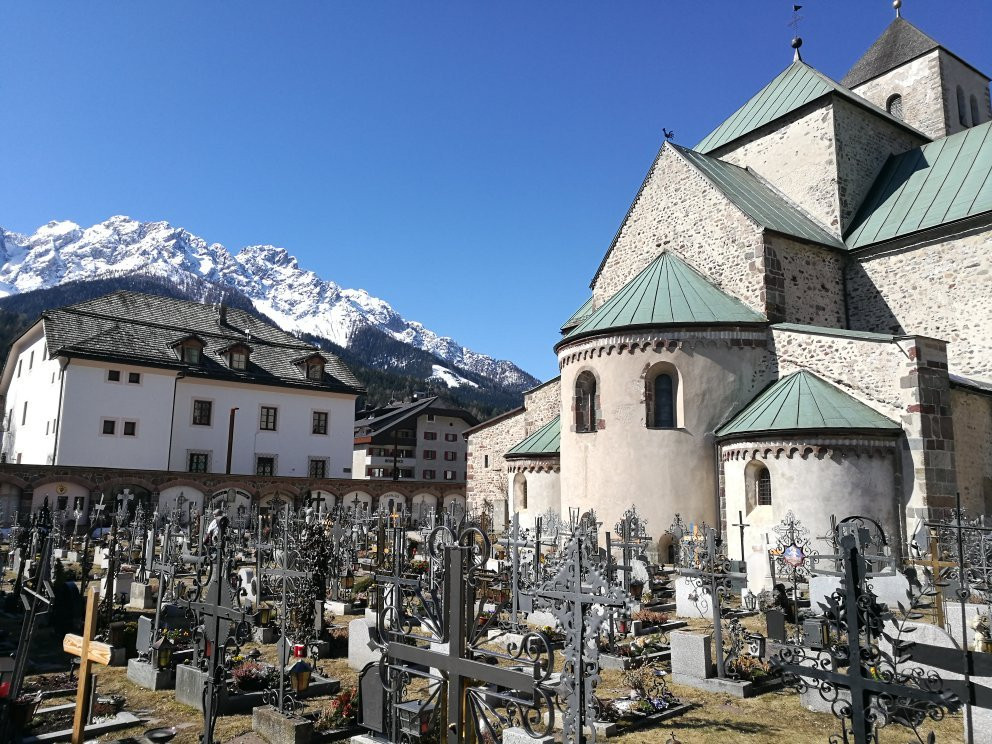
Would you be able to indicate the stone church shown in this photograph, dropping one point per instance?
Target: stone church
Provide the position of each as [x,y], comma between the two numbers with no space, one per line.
[795,314]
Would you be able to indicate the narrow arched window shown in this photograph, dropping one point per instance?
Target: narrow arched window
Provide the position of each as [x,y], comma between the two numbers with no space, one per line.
[974,111]
[585,402]
[764,487]
[894,105]
[664,402]
[962,111]
[519,492]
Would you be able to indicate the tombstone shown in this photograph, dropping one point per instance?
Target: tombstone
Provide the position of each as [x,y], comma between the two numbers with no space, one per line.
[639,572]
[775,625]
[122,584]
[142,596]
[246,579]
[371,714]
[359,635]
[691,656]
[520,736]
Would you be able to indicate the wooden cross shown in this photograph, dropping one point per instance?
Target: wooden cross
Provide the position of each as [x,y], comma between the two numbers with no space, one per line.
[741,525]
[935,565]
[89,652]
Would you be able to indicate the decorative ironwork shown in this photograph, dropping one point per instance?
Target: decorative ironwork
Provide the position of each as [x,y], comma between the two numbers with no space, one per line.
[580,596]
[879,691]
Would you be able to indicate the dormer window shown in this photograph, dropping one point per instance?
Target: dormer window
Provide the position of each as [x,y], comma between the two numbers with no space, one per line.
[236,356]
[189,349]
[312,366]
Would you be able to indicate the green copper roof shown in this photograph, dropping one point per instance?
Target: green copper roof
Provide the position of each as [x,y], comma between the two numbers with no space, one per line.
[758,200]
[578,316]
[544,441]
[795,87]
[667,292]
[839,332]
[940,182]
[801,402]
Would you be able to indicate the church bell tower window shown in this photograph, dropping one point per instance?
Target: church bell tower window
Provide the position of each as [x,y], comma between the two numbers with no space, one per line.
[894,106]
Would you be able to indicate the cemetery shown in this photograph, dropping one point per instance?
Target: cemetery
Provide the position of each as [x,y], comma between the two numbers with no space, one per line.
[301,623]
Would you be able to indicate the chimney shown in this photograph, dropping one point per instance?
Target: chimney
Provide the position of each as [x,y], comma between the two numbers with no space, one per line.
[222,311]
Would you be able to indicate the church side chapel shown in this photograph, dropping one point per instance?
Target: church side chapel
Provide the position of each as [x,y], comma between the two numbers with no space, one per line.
[794,316]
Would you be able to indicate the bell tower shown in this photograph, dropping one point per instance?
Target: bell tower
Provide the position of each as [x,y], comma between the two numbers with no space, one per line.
[913,77]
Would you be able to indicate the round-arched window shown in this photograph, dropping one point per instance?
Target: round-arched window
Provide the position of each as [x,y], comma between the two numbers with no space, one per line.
[664,402]
[585,402]
[894,105]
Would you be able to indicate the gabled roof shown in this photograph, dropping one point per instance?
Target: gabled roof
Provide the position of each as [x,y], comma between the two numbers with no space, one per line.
[804,402]
[796,86]
[758,200]
[667,292]
[900,43]
[943,181]
[584,311]
[543,442]
[135,328]
[380,420]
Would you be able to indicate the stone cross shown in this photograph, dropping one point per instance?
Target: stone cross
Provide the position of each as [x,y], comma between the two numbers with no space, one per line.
[89,652]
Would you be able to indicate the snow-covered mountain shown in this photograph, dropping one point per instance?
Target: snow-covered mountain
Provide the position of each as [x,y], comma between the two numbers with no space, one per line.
[297,299]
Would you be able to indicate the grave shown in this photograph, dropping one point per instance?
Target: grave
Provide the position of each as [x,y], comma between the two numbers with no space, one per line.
[190,683]
[360,653]
[692,665]
[142,596]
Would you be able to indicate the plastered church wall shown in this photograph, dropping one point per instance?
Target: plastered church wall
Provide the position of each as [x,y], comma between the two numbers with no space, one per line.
[973,448]
[678,209]
[906,380]
[937,289]
[662,471]
[814,479]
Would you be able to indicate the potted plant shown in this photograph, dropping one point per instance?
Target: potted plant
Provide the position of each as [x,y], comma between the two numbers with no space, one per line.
[22,709]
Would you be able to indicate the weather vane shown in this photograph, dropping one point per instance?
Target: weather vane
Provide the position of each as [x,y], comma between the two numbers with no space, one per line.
[797,40]
[668,135]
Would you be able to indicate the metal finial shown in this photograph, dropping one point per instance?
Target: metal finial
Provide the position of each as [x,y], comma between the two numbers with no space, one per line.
[794,25]
[897,4]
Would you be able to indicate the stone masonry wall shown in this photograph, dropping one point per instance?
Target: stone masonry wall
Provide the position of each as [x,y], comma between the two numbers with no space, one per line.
[952,74]
[486,472]
[680,210]
[918,82]
[973,448]
[541,405]
[904,379]
[798,157]
[811,278]
[939,289]
[864,141]
[484,480]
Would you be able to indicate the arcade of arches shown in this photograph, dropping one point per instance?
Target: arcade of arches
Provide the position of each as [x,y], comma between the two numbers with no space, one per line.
[24,488]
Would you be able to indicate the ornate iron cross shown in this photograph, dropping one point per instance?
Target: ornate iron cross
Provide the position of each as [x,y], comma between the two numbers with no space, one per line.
[879,692]
[580,597]
[460,664]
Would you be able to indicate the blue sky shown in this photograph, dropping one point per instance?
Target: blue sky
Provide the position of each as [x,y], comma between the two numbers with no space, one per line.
[467,162]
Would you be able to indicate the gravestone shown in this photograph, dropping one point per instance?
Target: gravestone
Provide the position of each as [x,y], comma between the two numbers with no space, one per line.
[142,596]
[520,736]
[890,589]
[691,656]
[246,577]
[359,635]
[146,626]
[775,625]
[371,714]
[122,584]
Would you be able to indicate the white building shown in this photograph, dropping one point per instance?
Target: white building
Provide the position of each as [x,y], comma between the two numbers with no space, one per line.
[423,439]
[136,381]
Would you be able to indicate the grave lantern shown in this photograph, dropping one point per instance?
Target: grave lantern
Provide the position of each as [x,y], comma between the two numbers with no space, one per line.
[756,645]
[162,652]
[348,581]
[300,672]
[264,614]
[414,720]
[750,601]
